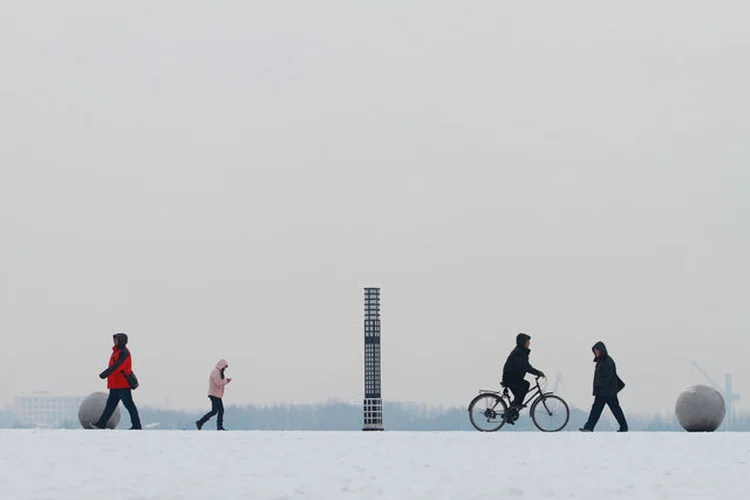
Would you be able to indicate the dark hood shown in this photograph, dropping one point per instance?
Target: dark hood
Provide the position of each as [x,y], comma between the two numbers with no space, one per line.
[121,339]
[602,348]
[521,339]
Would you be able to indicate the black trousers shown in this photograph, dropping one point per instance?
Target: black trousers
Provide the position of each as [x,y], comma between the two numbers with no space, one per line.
[126,396]
[519,390]
[598,407]
[217,408]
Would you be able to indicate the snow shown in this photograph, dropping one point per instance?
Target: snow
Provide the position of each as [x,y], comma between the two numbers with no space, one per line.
[122,464]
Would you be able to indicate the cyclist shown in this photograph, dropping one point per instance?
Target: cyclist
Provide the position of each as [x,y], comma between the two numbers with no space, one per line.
[514,372]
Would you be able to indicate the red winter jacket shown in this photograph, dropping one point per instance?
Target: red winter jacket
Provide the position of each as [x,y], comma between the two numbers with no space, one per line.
[119,362]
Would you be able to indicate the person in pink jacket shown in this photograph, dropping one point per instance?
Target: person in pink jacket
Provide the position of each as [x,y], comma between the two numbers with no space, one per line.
[217,382]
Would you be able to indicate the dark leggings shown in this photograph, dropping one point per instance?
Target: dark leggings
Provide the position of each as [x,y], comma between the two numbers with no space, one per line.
[519,390]
[596,411]
[217,408]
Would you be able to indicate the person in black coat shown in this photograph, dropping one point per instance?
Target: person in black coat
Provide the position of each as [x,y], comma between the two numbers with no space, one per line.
[516,367]
[606,386]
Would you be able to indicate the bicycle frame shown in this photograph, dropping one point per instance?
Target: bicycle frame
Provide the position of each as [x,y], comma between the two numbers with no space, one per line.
[535,393]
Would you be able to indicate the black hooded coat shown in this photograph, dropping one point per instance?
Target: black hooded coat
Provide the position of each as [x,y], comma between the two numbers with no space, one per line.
[606,381]
[517,365]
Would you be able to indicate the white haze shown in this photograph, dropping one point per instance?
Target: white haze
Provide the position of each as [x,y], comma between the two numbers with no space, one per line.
[222,179]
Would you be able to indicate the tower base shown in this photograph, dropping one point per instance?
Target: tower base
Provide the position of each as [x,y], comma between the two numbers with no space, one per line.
[373,414]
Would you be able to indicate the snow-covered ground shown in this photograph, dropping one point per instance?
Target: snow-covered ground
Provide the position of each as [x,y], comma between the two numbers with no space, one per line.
[60,465]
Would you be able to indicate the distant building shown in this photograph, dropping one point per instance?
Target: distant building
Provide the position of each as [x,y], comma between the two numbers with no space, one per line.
[42,409]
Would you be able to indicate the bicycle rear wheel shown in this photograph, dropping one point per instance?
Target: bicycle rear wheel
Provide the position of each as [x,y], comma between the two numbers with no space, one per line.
[550,413]
[487,412]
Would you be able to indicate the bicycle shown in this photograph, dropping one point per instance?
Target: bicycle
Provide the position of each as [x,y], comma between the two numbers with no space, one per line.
[496,412]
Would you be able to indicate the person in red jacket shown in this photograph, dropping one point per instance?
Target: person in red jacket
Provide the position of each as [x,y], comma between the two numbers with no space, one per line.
[120,364]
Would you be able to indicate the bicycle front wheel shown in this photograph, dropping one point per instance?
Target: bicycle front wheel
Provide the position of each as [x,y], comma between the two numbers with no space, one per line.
[550,413]
[487,412]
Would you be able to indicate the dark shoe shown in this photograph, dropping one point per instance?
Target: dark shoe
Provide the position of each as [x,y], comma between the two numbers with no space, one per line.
[136,428]
[511,415]
[199,424]
[97,425]
[220,429]
[622,430]
[583,429]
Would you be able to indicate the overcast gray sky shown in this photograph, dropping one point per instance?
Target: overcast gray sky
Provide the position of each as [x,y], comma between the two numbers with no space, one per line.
[222,179]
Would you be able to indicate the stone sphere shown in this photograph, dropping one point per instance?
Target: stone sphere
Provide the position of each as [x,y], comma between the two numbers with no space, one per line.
[92,408]
[700,409]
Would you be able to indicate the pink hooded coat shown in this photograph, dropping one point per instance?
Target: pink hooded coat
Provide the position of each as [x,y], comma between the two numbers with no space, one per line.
[216,384]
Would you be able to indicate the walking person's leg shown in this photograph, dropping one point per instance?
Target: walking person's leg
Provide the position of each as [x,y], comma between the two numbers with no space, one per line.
[616,409]
[112,401]
[220,416]
[205,418]
[596,412]
[127,401]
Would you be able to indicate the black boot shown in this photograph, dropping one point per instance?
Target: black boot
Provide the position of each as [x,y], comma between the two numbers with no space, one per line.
[199,423]
[511,415]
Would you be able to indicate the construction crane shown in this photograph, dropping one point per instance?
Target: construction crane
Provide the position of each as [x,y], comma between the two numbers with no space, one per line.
[729,397]
[558,382]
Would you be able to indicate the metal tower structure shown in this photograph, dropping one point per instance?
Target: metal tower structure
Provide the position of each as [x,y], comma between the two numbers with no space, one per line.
[729,396]
[373,402]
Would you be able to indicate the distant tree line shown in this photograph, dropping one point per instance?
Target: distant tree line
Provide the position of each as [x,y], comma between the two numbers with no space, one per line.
[339,416]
